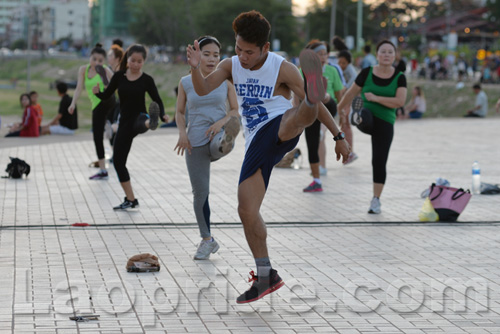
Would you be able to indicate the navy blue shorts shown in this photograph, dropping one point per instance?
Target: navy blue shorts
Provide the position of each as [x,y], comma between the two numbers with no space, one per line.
[265,151]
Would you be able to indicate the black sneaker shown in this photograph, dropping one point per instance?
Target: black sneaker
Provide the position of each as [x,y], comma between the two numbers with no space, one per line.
[127,204]
[102,73]
[154,115]
[261,287]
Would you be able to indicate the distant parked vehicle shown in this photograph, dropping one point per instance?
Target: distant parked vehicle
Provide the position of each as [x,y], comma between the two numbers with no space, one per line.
[71,83]
[6,52]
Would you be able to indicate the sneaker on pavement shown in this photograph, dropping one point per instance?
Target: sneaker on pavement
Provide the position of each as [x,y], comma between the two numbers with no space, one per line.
[260,287]
[314,83]
[313,187]
[154,115]
[102,175]
[206,248]
[375,206]
[352,156]
[127,204]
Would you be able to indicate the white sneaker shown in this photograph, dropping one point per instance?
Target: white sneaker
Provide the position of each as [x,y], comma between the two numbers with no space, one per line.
[205,248]
[223,142]
[375,206]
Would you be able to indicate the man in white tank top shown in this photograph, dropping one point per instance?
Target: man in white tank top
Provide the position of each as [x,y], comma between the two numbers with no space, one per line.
[264,84]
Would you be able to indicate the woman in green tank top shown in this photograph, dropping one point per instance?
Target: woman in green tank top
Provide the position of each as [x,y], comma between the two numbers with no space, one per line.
[89,76]
[383,89]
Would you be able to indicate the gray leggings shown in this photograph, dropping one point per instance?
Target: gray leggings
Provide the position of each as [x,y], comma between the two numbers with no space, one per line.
[198,165]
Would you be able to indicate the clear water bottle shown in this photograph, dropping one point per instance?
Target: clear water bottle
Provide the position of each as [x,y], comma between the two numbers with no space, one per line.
[476,178]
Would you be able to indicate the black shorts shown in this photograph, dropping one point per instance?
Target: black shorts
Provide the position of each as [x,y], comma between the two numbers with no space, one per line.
[265,151]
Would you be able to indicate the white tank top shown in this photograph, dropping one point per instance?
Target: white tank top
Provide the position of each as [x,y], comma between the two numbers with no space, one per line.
[254,90]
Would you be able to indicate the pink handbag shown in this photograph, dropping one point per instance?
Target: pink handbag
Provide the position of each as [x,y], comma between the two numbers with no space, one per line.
[448,202]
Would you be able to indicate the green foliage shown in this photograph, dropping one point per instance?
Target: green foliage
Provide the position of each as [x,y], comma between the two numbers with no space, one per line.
[494,10]
[19,44]
[163,22]
[318,20]
[178,23]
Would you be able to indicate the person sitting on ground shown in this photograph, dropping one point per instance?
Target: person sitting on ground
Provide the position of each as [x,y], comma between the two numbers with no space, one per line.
[417,106]
[63,123]
[29,125]
[481,106]
[35,105]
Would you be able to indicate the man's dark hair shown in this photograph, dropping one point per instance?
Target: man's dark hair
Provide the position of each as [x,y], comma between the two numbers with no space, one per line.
[477,86]
[253,27]
[118,42]
[62,87]
[33,92]
[367,49]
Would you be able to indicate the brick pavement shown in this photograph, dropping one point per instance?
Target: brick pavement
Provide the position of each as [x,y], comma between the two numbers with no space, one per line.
[345,271]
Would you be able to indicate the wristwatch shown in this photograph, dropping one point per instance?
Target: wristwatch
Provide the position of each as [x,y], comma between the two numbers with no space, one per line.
[340,136]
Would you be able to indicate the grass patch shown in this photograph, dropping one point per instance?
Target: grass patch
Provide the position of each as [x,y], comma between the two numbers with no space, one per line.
[443,99]
[45,71]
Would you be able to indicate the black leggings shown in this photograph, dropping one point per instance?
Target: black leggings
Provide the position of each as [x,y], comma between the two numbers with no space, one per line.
[382,135]
[99,115]
[313,131]
[123,142]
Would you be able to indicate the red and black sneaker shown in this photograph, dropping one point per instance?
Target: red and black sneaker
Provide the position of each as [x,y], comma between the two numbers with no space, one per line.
[261,286]
[314,82]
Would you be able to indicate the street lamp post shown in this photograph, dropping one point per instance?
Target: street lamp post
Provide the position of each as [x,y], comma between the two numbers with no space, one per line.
[332,20]
[359,30]
[28,53]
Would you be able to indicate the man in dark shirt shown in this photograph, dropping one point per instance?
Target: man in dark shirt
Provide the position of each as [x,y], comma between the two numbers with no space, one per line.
[63,123]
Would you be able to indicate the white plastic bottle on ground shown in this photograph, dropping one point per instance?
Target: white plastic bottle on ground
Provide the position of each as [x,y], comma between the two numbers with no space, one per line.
[476,178]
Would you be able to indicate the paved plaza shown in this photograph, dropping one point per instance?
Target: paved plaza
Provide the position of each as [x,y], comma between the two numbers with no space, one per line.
[345,271]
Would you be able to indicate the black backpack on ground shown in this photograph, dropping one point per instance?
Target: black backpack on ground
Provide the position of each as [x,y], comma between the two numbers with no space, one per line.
[17,167]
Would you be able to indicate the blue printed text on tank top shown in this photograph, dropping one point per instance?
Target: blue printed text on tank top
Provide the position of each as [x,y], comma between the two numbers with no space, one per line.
[252,105]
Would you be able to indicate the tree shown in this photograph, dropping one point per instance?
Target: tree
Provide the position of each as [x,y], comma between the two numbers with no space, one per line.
[494,7]
[318,20]
[216,17]
[177,23]
[164,22]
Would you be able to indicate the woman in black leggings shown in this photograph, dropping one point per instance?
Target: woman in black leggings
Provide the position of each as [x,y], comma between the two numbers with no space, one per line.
[334,90]
[383,89]
[132,85]
[88,77]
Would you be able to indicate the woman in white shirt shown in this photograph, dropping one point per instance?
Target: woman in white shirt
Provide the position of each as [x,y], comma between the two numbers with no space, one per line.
[416,107]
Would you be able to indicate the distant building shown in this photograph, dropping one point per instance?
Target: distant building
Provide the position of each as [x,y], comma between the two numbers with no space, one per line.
[470,27]
[65,19]
[13,19]
[47,21]
[111,19]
